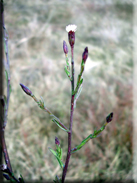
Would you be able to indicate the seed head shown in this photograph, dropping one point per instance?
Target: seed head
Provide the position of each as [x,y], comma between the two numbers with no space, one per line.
[72,28]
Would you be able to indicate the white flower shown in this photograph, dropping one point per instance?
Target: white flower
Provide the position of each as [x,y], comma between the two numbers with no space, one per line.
[72,28]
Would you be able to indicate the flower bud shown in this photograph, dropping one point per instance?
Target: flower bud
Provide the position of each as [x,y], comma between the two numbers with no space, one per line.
[65,48]
[57,142]
[26,89]
[109,117]
[71,34]
[85,54]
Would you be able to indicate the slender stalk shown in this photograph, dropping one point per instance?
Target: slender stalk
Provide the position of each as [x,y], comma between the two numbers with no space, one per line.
[4,148]
[49,112]
[1,81]
[71,119]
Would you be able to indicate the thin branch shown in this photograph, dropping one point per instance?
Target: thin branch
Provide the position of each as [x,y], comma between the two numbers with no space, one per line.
[4,148]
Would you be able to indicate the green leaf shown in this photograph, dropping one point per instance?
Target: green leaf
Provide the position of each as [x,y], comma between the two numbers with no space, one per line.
[81,144]
[79,85]
[81,81]
[59,151]
[57,157]
[91,136]
[53,152]
[67,72]
[57,123]
[41,103]
[77,95]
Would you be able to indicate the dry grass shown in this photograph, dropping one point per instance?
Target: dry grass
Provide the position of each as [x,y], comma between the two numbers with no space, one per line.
[36,32]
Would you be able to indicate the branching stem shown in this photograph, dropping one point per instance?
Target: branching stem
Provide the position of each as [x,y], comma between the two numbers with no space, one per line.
[71,119]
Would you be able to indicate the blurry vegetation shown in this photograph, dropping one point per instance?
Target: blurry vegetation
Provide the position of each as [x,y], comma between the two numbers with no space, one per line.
[36,33]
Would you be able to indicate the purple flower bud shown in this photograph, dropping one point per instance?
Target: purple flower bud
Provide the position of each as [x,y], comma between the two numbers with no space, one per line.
[109,117]
[65,48]
[26,89]
[71,38]
[71,34]
[85,54]
[57,142]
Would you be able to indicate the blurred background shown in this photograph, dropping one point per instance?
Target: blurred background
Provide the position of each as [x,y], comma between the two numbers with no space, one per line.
[36,32]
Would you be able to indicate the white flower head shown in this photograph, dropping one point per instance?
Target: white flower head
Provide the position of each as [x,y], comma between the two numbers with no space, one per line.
[72,28]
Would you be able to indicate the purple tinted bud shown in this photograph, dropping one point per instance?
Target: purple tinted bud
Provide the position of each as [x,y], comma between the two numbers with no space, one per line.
[57,142]
[65,48]
[71,29]
[26,89]
[85,54]
[109,117]
[71,38]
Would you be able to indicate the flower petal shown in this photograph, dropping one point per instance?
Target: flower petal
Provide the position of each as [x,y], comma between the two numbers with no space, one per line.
[72,28]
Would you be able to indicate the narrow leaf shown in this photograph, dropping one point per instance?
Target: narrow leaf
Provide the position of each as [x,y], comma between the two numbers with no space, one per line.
[58,159]
[81,144]
[81,81]
[91,136]
[59,152]
[57,123]
[67,72]
[53,152]
[77,95]
[79,84]
[41,103]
